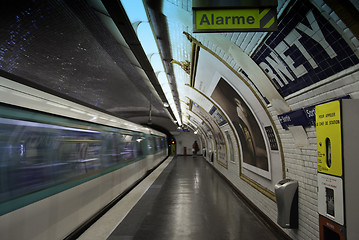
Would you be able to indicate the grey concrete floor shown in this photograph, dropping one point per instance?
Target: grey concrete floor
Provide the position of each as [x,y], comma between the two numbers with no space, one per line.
[189,200]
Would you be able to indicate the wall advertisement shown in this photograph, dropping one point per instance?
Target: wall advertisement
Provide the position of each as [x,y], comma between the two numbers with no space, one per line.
[251,138]
[221,149]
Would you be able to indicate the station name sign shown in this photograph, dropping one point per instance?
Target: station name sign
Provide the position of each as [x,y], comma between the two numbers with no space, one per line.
[234,20]
[305,116]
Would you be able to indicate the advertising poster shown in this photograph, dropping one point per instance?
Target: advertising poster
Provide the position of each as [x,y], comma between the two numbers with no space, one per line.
[218,135]
[251,139]
[218,117]
[230,145]
[331,198]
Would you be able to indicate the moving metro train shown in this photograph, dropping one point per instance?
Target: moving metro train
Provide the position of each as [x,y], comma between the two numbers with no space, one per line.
[59,169]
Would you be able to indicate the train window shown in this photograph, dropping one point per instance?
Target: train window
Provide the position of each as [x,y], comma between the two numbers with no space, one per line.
[36,155]
[157,143]
[78,152]
[128,149]
[150,145]
[140,145]
[109,154]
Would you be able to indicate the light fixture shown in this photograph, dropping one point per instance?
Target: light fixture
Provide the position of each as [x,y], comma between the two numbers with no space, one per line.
[136,12]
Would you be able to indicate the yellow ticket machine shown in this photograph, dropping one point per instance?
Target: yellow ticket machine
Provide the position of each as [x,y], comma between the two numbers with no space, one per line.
[337,126]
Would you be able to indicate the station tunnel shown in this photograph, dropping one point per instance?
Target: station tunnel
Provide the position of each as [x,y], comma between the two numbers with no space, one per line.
[97,97]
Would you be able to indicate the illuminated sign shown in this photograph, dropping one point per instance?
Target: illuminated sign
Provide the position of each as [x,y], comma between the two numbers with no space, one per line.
[232,20]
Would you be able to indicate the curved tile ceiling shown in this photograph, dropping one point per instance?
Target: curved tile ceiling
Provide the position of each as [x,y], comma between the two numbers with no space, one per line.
[91,52]
[74,50]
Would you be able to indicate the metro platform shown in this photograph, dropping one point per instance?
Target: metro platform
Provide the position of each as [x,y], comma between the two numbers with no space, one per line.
[184,198]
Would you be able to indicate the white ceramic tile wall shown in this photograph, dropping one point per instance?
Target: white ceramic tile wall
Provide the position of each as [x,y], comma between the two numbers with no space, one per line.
[300,163]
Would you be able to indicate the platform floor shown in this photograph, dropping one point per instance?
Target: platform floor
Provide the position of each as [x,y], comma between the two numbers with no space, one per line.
[189,200]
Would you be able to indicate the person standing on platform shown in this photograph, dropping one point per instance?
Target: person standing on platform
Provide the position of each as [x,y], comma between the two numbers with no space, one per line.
[195,148]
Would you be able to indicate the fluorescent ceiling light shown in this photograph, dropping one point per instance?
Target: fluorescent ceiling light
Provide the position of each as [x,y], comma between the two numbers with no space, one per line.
[136,12]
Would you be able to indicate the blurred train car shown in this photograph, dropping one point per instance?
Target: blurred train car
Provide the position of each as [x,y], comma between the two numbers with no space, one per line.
[61,163]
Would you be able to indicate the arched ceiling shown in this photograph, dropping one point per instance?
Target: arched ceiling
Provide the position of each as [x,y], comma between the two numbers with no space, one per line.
[98,53]
[172,23]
